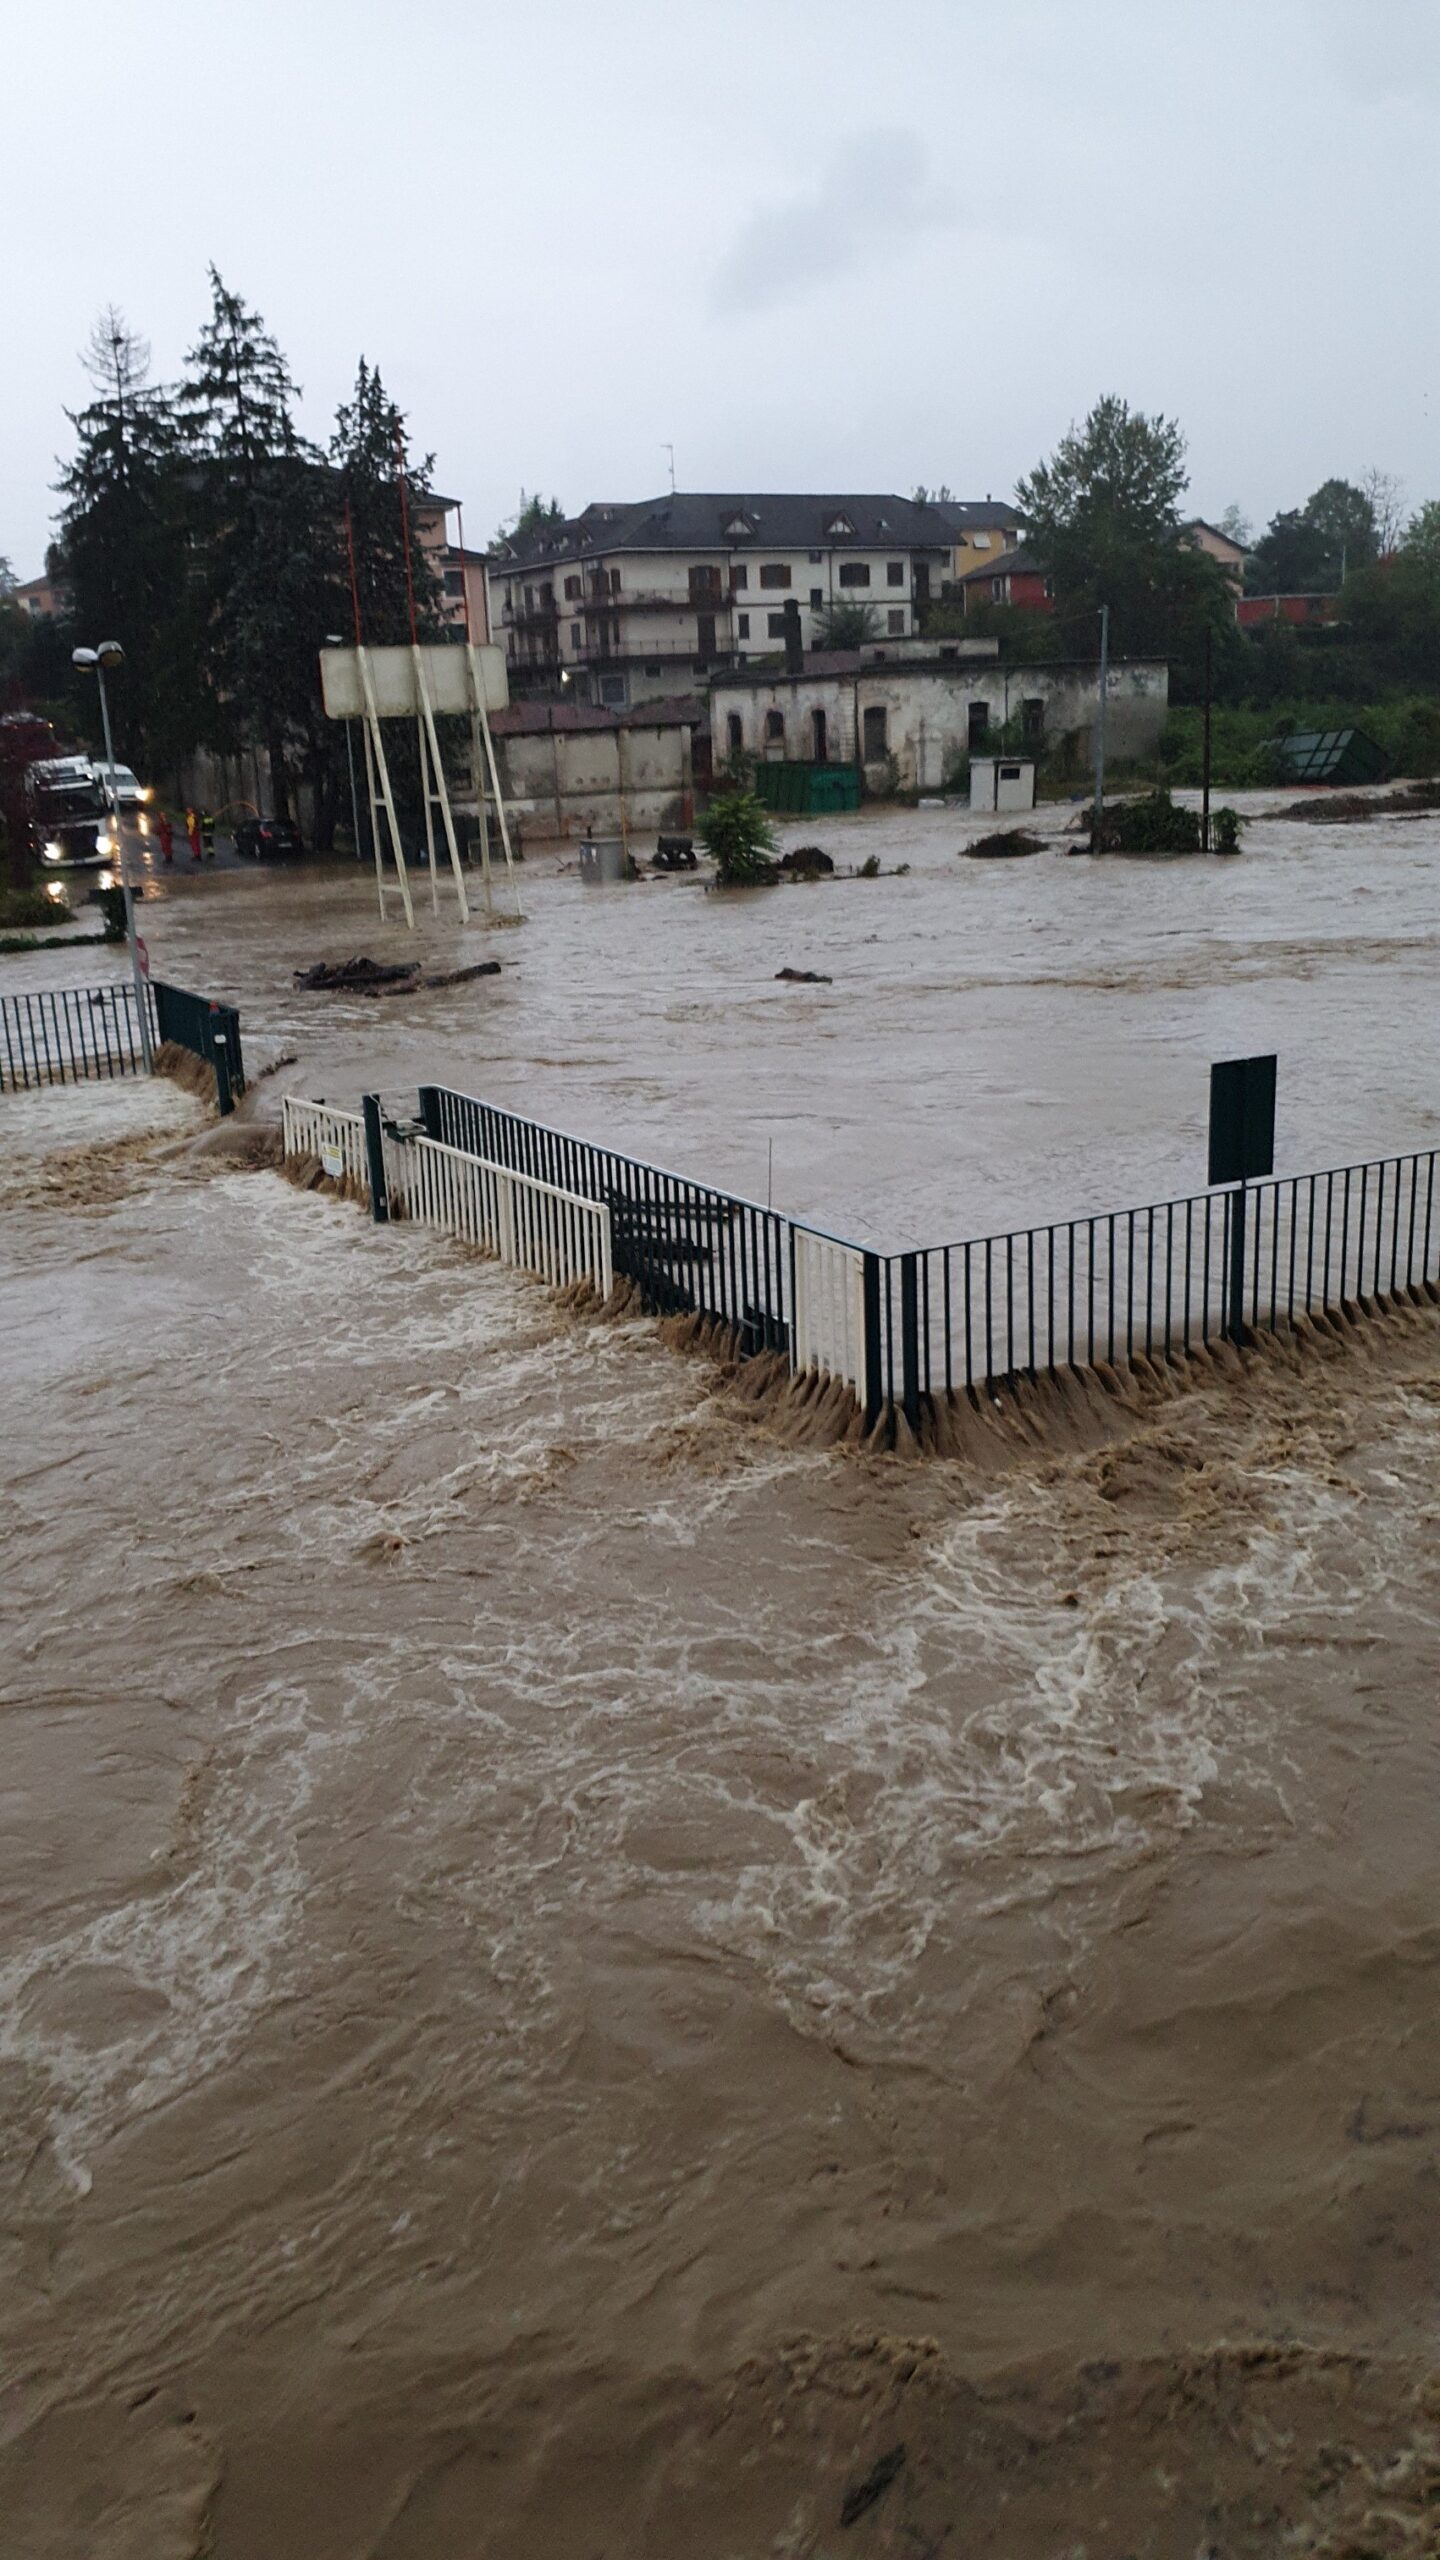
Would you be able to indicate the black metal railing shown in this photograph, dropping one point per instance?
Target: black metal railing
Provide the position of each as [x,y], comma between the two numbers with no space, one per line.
[1156,1281]
[688,1248]
[66,1035]
[208,1031]
[975,1318]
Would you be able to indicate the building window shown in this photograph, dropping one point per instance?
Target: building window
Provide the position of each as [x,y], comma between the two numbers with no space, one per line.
[1032,720]
[739,578]
[817,599]
[614,582]
[529,599]
[977,726]
[997,589]
[854,573]
[774,573]
[774,728]
[547,598]
[742,626]
[895,621]
[574,635]
[817,555]
[612,688]
[981,541]
[735,734]
[454,582]
[655,670]
[895,573]
[818,739]
[775,624]
[874,727]
[572,589]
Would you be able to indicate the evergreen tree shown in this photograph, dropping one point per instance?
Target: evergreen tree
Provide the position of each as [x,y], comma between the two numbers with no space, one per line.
[124,545]
[369,449]
[265,524]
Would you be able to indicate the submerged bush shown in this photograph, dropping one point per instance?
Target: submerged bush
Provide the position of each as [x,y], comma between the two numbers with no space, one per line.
[737,831]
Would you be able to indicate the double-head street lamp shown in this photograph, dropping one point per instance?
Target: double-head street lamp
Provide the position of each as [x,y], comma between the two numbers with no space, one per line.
[110,654]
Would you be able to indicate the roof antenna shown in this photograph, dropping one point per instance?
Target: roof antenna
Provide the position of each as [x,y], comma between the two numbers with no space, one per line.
[670,449]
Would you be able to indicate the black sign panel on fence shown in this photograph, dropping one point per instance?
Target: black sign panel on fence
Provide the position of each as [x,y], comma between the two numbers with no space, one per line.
[1242,1119]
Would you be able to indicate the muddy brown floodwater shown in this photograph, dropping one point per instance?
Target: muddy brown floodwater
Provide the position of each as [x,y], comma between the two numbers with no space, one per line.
[580,1984]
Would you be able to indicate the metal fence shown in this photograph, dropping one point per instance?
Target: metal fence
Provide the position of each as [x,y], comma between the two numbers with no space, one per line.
[209,1031]
[523,1221]
[971,1317]
[904,1330]
[67,1035]
[1157,1281]
[687,1247]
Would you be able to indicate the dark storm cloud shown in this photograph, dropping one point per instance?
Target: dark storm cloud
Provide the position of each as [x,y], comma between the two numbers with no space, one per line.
[873,197]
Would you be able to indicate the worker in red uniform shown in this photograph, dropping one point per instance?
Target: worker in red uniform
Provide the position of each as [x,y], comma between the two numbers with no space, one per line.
[192,829]
[166,834]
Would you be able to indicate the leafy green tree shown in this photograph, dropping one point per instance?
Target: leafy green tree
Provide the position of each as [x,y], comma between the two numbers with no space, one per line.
[1421,544]
[846,624]
[1104,515]
[124,543]
[1309,550]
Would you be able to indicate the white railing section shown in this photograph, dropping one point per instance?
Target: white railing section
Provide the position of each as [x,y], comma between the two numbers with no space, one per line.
[531,1225]
[336,1137]
[828,1330]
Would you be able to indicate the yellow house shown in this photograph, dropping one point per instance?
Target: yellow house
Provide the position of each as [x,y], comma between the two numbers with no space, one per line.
[977,530]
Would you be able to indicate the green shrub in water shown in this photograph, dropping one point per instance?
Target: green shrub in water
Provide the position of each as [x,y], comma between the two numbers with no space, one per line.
[737,831]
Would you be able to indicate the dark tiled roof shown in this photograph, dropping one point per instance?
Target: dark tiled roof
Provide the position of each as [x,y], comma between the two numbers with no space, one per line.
[967,515]
[537,719]
[686,521]
[1020,561]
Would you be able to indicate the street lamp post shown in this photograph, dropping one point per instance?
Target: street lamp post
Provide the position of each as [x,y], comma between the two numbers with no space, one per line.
[110,654]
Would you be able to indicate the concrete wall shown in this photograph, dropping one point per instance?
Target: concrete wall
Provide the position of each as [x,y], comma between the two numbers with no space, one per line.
[927,710]
[568,783]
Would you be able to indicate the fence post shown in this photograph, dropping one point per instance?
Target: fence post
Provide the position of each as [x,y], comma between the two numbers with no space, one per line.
[870,1312]
[1235,1293]
[375,1158]
[220,1061]
[429,1099]
[910,1337]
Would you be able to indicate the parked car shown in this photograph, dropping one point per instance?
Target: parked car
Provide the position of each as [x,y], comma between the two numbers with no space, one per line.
[268,839]
[130,792]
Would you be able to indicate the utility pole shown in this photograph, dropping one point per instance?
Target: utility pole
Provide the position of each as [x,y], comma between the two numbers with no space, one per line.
[1098,820]
[1205,751]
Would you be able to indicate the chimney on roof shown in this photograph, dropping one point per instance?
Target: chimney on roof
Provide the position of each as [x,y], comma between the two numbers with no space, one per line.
[794,647]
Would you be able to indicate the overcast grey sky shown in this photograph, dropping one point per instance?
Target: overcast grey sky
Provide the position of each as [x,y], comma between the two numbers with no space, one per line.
[816,243]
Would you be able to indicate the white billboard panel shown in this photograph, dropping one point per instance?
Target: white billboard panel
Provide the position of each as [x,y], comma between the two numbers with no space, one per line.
[392,673]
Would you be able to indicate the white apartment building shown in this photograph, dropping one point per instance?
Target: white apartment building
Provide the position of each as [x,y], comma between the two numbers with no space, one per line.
[627,603]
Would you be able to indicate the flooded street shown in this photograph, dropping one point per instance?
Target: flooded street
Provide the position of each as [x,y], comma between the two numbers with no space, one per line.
[1002,1041]
[577,1983]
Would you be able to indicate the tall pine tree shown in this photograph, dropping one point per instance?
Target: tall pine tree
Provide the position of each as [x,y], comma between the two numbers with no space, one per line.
[368,450]
[125,549]
[266,530]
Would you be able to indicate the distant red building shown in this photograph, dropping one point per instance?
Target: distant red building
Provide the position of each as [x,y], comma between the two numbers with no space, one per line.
[1253,611]
[1014,578]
